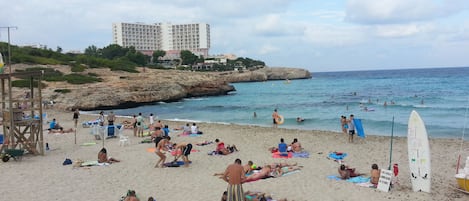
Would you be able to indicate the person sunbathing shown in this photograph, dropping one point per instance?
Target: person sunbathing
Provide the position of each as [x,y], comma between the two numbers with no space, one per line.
[259,196]
[262,174]
[280,171]
[346,172]
[61,131]
[103,158]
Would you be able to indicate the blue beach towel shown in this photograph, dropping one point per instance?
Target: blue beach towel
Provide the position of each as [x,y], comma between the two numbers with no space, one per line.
[359,179]
[337,157]
[303,154]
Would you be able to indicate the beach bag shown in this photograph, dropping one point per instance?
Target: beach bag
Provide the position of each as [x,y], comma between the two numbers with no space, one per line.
[67,162]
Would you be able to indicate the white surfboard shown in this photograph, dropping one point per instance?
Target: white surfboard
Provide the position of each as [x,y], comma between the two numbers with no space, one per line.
[419,154]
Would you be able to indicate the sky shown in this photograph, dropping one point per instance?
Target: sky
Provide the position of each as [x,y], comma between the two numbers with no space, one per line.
[318,35]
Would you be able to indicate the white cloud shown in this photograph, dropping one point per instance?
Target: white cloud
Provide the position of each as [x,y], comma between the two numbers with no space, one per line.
[402,30]
[268,48]
[401,11]
[324,35]
[274,30]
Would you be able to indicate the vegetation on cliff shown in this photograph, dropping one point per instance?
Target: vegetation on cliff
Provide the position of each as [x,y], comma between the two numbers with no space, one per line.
[114,57]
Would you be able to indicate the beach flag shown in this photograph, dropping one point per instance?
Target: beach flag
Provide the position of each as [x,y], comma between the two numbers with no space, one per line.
[1,63]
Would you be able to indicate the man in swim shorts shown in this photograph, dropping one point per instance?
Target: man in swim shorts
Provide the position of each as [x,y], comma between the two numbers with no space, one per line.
[275,116]
[234,175]
[186,149]
[351,128]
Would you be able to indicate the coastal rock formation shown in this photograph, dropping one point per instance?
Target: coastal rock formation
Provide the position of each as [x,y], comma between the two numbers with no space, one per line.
[123,90]
[264,74]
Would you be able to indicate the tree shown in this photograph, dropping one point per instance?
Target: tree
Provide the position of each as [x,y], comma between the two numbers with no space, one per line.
[188,58]
[92,51]
[114,51]
[157,54]
[136,57]
[59,49]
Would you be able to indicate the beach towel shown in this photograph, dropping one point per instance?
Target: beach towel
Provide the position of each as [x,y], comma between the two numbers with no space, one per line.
[280,155]
[303,154]
[93,163]
[175,164]
[88,144]
[360,180]
[337,155]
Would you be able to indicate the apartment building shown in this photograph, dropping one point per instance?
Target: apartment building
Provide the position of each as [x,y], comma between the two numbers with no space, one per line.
[163,36]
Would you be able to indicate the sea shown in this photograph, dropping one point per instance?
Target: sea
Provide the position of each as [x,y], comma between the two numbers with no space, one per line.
[439,95]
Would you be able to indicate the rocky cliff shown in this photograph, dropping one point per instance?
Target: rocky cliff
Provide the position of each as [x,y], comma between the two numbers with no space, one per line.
[264,74]
[123,90]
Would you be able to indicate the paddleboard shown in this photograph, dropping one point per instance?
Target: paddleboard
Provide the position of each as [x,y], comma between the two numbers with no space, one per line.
[1,63]
[419,154]
[359,128]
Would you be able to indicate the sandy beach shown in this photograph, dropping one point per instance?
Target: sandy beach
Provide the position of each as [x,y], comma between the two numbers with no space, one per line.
[45,178]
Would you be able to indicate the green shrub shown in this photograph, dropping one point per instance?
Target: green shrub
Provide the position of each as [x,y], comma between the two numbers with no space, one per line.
[24,83]
[78,68]
[80,79]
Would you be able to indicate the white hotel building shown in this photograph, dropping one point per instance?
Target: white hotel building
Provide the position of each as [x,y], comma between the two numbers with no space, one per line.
[163,36]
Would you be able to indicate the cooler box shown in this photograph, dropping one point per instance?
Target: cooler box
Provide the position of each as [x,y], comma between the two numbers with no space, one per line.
[110,131]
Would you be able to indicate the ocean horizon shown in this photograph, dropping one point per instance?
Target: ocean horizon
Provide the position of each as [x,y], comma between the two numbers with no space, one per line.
[439,95]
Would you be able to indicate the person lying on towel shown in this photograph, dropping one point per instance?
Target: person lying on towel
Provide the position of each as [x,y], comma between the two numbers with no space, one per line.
[262,174]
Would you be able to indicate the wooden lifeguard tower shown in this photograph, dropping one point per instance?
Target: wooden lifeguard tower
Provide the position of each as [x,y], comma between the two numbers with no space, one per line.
[22,114]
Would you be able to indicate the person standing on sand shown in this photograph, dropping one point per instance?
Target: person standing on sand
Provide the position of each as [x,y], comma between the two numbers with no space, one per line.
[139,125]
[152,119]
[351,129]
[76,115]
[134,125]
[234,175]
[343,124]
[275,116]
[111,118]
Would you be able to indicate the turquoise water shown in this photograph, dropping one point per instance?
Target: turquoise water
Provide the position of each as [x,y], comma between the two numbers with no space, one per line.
[439,95]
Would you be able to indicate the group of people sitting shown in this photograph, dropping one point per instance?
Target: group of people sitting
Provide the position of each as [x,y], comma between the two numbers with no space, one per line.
[188,129]
[294,146]
[346,172]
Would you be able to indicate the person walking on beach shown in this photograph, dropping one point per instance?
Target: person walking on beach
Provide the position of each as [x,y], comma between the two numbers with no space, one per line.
[76,115]
[234,175]
[275,116]
[351,128]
